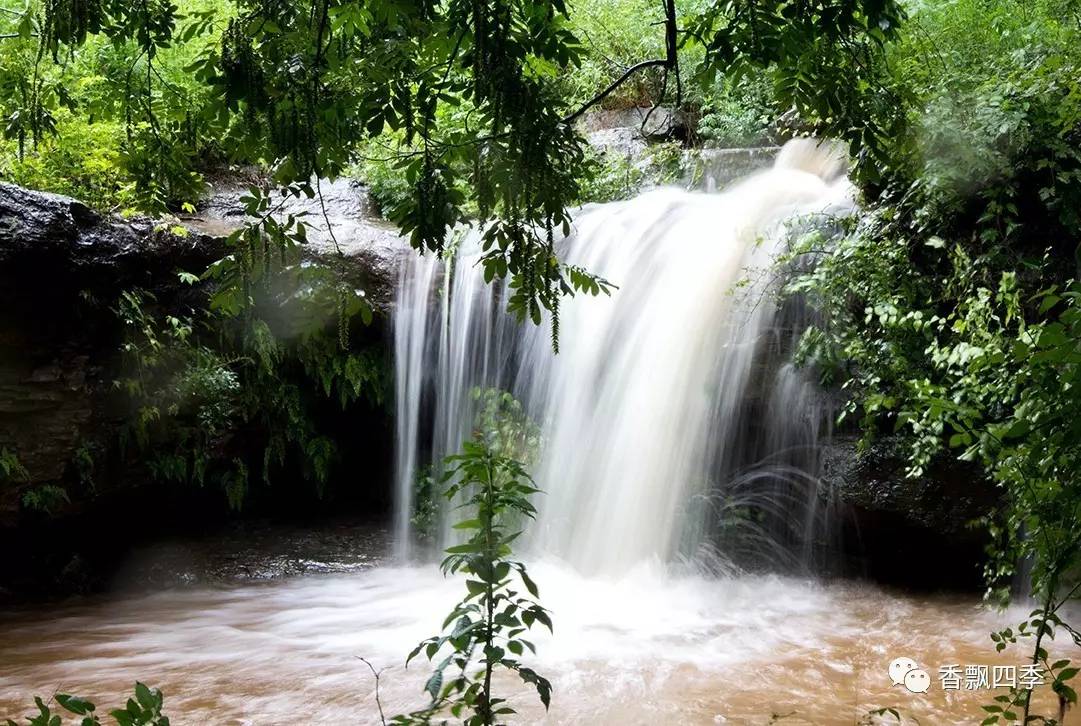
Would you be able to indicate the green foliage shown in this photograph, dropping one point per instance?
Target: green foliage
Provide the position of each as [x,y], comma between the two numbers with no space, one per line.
[82,161]
[116,120]
[11,469]
[144,709]
[387,187]
[503,426]
[612,38]
[737,114]
[1040,625]
[215,397]
[614,176]
[44,498]
[425,518]
[611,31]
[472,104]
[485,631]
[185,396]
[825,63]
[952,312]
[251,370]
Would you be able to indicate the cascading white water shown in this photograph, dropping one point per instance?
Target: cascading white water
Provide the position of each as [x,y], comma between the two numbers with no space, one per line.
[668,408]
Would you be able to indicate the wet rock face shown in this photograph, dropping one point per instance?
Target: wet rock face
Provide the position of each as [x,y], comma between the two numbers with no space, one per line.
[721,167]
[256,550]
[915,531]
[62,266]
[646,123]
[946,499]
[62,269]
[39,230]
[627,134]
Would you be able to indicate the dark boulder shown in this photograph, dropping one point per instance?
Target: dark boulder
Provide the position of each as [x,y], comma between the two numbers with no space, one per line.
[916,531]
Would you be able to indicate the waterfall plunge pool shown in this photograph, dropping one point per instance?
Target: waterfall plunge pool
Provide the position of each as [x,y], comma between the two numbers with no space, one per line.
[644,648]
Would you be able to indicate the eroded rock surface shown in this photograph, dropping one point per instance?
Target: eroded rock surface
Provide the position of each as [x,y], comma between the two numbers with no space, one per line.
[62,268]
[344,231]
[898,524]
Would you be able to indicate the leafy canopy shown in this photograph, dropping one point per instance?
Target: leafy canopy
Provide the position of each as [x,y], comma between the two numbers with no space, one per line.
[471,95]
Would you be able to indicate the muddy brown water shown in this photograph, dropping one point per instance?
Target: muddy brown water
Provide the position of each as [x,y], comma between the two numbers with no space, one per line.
[646,648]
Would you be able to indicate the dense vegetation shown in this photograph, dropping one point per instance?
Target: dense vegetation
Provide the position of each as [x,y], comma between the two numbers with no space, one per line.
[77,133]
[951,306]
[133,111]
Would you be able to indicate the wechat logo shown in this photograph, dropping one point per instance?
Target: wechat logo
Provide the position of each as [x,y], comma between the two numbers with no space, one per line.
[906,672]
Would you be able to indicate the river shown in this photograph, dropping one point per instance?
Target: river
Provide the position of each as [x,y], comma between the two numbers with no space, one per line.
[645,648]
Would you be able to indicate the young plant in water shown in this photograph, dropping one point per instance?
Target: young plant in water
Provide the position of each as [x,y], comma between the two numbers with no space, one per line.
[484,632]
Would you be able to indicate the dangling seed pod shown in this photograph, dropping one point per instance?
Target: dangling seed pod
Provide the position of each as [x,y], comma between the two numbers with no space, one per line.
[240,67]
[551,290]
[68,22]
[343,318]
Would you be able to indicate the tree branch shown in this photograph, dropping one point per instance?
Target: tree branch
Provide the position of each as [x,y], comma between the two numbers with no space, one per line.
[375,673]
[670,63]
[612,88]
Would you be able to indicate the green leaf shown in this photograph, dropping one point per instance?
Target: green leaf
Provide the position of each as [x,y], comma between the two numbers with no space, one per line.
[528,582]
[434,684]
[462,549]
[122,717]
[74,704]
[1065,691]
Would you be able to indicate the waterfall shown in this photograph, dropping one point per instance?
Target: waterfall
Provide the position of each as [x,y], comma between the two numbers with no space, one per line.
[672,425]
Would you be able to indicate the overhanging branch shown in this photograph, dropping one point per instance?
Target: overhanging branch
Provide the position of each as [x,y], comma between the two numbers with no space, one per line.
[670,63]
[612,88]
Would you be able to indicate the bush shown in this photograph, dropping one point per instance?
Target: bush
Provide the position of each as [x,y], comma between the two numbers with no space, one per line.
[67,126]
[82,161]
[734,115]
[951,308]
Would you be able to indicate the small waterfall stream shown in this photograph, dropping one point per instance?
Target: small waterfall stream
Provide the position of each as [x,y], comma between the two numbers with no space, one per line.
[672,427]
